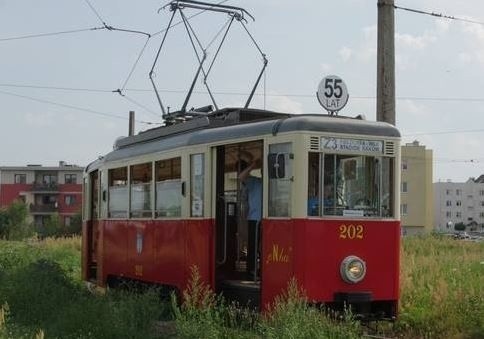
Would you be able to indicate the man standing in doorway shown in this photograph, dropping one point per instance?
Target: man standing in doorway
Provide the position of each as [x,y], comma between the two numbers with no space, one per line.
[253,186]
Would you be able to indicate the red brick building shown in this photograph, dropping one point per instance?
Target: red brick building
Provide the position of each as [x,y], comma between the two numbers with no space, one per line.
[46,190]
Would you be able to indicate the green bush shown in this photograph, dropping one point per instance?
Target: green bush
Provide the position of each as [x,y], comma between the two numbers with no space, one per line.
[13,222]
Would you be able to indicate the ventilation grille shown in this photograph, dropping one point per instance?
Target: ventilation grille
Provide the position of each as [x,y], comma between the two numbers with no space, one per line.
[389,148]
[314,143]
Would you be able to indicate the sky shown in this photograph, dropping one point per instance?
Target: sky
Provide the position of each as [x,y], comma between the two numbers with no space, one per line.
[56,91]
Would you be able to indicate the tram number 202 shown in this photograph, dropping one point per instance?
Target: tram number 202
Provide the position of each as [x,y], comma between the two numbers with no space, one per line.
[351,231]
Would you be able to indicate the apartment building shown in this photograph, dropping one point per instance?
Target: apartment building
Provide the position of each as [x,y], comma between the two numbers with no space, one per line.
[46,190]
[459,202]
[416,197]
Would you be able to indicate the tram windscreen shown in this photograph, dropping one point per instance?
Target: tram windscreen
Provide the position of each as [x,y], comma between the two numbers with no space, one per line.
[350,185]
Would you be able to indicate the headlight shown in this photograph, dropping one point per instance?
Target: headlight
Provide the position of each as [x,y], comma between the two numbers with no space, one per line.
[352,269]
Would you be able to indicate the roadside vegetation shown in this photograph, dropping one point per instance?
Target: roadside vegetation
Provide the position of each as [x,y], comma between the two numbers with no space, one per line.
[41,296]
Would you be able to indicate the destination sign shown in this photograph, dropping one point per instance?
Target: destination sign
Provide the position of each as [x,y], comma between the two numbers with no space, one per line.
[352,145]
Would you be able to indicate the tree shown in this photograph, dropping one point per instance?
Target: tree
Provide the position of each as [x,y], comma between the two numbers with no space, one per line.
[13,222]
[75,226]
[52,226]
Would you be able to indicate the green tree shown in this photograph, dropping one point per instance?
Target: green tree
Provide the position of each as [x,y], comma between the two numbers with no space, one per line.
[14,224]
[52,226]
[76,225]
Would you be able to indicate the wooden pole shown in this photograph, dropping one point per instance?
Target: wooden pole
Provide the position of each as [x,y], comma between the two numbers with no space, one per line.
[385,88]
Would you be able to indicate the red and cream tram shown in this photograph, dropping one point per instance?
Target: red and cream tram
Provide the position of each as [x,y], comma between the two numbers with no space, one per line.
[172,197]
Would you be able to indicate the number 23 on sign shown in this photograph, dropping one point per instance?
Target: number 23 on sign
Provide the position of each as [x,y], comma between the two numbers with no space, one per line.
[351,231]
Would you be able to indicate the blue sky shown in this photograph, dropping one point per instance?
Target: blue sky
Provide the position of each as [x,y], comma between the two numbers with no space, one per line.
[439,72]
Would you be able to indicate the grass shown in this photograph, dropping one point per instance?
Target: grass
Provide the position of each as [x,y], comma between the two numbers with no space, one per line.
[442,284]
[41,296]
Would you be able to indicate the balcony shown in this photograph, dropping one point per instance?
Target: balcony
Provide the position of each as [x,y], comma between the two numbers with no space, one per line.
[44,188]
[44,208]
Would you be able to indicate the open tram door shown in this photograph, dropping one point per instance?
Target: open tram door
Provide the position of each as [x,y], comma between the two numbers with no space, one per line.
[91,229]
[238,193]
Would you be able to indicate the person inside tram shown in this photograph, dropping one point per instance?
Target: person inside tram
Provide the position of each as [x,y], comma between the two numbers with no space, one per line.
[253,186]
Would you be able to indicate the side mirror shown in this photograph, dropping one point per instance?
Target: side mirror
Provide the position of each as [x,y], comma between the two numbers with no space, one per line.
[276,164]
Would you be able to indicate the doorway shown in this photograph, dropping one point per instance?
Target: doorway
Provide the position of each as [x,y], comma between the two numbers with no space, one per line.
[238,240]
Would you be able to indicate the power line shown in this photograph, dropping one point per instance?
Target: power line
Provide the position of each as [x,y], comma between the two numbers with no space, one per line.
[438,15]
[51,34]
[95,12]
[88,110]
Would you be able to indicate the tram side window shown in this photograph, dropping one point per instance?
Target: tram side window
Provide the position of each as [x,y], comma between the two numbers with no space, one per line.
[197,178]
[353,185]
[168,187]
[118,192]
[280,179]
[141,178]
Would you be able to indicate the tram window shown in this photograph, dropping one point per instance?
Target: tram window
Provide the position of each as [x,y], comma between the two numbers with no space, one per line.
[118,192]
[168,187]
[353,185]
[197,178]
[314,198]
[141,178]
[280,188]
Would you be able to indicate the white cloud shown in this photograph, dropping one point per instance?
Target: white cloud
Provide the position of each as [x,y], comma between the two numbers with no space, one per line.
[345,53]
[284,104]
[404,40]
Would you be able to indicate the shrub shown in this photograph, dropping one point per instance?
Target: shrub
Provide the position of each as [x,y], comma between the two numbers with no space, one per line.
[13,222]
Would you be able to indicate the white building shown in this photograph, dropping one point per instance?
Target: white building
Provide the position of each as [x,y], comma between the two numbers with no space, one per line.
[456,203]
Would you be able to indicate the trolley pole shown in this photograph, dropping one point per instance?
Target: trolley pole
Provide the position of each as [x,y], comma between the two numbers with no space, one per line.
[385,84]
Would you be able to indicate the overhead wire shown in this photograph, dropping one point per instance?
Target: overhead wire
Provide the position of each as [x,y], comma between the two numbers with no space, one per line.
[439,15]
[88,110]
[41,35]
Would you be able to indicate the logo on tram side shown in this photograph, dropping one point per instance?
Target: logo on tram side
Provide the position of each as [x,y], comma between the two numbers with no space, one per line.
[278,255]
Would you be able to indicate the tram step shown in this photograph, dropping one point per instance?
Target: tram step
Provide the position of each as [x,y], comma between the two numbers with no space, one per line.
[245,292]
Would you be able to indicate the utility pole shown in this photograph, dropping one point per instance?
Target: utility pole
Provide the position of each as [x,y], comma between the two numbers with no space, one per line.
[385,84]
[131,123]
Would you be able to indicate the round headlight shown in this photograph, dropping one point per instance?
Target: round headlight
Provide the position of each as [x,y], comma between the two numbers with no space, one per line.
[352,269]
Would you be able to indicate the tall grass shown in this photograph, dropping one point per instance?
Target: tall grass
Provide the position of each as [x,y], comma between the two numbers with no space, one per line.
[442,284]
[205,315]
[37,282]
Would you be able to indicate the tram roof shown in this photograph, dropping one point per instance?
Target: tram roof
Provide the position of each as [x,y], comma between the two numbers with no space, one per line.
[235,123]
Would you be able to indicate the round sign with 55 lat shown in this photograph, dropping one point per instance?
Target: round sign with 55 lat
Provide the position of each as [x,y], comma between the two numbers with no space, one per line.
[332,93]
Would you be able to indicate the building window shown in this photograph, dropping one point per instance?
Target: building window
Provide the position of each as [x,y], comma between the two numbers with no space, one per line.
[481,192]
[447,192]
[404,165]
[448,214]
[67,221]
[458,215]
[458,203]
[70,200]
[458,192]
[481,215]
[20,178]
[482,203]
[49,179]
[403,209]
[404,187]
[470,208]
[71,179]
[448,203]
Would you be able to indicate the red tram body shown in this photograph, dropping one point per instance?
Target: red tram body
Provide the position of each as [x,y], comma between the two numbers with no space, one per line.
[170,198]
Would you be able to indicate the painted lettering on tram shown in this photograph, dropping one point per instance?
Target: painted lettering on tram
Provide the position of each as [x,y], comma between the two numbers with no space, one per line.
[278,254]
[351,231]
